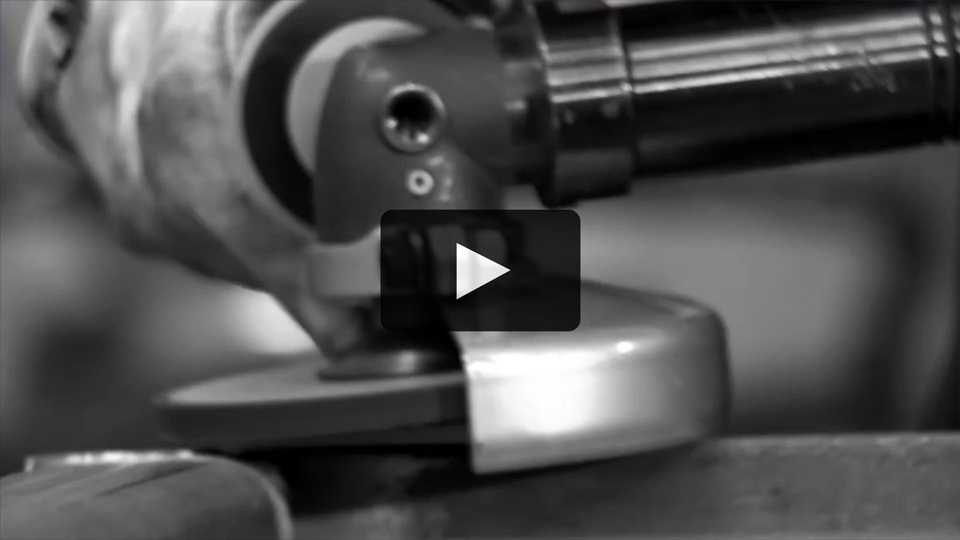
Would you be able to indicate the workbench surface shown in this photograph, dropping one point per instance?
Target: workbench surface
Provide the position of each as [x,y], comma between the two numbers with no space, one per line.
[814,488]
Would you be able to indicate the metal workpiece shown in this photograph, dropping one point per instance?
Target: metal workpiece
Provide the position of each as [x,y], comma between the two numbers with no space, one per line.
[633,90]
[104,458]
[814,488]
[142,495]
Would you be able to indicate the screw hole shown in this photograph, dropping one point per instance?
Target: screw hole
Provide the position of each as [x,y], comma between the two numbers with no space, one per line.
[420,183]
[413,118]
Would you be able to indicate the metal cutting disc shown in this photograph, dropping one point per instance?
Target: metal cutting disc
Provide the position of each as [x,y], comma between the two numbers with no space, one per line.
[292,403]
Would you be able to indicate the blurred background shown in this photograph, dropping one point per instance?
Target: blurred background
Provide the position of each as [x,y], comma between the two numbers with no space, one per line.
[837,282]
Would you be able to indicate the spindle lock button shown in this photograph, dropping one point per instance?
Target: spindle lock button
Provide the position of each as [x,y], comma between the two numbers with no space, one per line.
[488,270]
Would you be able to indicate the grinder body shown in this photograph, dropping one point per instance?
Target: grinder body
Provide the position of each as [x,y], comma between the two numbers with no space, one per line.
[578,99]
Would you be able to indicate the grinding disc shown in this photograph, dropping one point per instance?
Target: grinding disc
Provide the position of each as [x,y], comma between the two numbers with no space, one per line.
[284,405]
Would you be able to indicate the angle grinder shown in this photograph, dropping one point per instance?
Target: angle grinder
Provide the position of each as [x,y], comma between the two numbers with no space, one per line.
[352,109]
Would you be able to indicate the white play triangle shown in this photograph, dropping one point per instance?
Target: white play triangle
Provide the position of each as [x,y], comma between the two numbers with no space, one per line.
[475,271]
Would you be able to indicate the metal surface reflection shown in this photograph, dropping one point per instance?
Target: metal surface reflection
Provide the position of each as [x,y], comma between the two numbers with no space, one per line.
[106,457]
[643,371]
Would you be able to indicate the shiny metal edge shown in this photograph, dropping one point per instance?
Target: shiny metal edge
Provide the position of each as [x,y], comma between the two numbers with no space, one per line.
[268,479]
[644,371]
[105,457]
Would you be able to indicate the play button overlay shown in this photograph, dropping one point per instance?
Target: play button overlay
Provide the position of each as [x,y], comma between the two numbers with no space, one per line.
[474,271]
[480,270]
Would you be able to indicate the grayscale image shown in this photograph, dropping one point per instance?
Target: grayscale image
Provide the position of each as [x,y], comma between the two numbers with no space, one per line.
[479,269]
